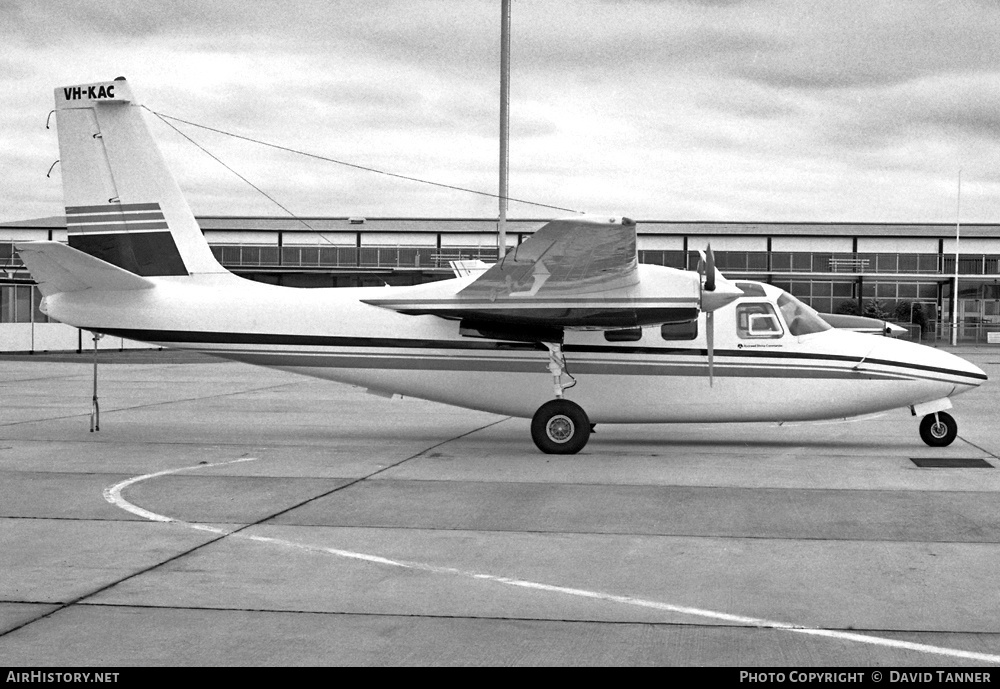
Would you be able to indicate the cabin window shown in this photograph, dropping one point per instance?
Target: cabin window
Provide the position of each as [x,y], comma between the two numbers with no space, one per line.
[679,331]
[757,321]
[630,335]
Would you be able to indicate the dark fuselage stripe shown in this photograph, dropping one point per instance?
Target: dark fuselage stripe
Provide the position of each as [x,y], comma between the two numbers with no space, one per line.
[193,337]
[519,365]
[182,337]
[506,301]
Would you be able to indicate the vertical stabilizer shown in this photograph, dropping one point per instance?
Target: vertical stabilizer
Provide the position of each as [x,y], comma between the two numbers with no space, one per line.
[122,204]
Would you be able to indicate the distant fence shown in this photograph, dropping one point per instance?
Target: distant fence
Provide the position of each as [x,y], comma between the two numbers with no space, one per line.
[969,333]
[246,256]
[940,333]
[57,337]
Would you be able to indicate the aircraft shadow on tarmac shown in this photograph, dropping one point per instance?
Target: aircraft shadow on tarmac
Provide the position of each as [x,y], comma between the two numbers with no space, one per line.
[853,443]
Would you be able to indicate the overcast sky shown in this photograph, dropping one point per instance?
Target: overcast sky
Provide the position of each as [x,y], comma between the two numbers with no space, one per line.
[677,110]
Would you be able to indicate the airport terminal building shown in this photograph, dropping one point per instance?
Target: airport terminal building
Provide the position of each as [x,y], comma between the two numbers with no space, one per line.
[904,272]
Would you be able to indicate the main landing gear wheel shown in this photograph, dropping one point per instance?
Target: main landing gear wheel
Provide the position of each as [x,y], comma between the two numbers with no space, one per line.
[939,429]
[560,427]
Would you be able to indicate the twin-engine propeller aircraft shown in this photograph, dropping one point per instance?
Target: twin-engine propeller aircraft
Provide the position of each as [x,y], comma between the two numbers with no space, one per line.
[570,313]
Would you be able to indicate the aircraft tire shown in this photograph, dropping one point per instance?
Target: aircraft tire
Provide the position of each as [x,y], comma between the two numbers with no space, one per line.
[560,427]
[938,432]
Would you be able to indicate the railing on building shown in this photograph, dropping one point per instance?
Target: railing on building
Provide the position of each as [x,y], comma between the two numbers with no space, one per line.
[753,262]
[243,256]
[840,263]
[968,333]
[9,257]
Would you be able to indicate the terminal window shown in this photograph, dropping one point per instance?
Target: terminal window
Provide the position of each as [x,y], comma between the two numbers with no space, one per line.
[20,304]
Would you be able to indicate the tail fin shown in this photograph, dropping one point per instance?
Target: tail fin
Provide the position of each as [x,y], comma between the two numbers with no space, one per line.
[122,204]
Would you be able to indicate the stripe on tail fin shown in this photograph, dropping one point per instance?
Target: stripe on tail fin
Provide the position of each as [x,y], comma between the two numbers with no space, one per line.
[122,204]
[131,236]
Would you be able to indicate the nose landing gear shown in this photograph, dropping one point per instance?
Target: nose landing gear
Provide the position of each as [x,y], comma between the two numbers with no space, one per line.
[938,429]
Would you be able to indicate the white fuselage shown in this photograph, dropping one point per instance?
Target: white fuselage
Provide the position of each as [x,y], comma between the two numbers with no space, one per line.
[330,333]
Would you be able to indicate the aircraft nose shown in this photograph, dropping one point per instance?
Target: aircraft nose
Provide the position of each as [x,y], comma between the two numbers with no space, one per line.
[972,374]
[974,370]
[930,362]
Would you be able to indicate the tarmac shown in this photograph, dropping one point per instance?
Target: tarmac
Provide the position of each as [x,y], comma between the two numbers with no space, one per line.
[226,515]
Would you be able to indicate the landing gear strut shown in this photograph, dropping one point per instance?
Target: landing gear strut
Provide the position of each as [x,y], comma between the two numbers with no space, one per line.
[560,427]
[938,429]
[557,367]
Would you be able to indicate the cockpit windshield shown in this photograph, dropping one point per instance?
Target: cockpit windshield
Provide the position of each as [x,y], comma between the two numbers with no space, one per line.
[801,319]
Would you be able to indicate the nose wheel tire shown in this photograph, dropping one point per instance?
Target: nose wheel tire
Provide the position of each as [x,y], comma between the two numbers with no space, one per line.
[560,427]
[938,430]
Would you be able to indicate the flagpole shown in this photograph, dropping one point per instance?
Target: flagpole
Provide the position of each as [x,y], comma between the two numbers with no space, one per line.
[504,124]
[954,288]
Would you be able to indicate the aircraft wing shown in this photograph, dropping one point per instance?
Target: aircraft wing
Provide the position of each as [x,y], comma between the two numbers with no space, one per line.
[575,273]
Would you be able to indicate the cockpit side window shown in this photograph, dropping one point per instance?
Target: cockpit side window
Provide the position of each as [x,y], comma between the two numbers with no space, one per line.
[757,320]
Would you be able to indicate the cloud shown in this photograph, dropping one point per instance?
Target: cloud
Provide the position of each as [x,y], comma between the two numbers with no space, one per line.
[765,109]
[819,45]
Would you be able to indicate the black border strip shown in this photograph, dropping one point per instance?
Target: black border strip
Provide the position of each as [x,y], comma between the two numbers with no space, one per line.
[143,253]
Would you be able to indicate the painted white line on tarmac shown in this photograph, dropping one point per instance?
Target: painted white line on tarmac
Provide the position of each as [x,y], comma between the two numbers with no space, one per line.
[114,493]
[114,496]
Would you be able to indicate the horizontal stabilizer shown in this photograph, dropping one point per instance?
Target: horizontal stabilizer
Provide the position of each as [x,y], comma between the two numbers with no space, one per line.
[60,268]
